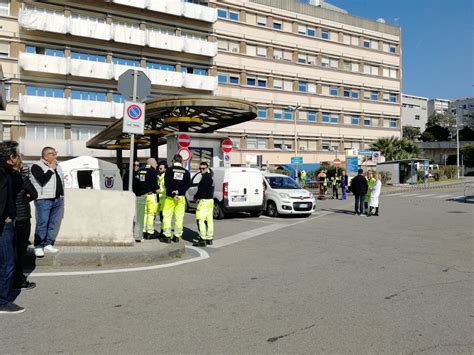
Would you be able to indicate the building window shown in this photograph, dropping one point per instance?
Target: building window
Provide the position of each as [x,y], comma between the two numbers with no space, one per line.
[222,13]
[84,133]
[234,16]
[354,120]
[251,50]
[302,86]
[282,144]
[43,132]
[261,51]
[4,49]
[118,98]
[54,52]
[312,116]
[303,115]
[277,114]
[262,113]
[374,95]
[417,117]
[251,81]
[200,71]
[88,56]
[222,78]
[277,25]
[277,54]
[287,85]
[234,79]
[288,56]
[288,115]
[334,118]
[311,31]
[366,121]
[366,43]
[88,95]
[333,91]
[160,66]
[302,58]
[325,117]
[347,92]
[393,97]
[393,49]
[262,82]
[354,94]
[262,20]
[44,92]
[393,123]
[302,29]
[4,7]
[325,62]
[278,84]
[324,34]
[128,62]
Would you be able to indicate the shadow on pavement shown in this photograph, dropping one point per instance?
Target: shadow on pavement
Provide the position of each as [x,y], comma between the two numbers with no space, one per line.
[339,211]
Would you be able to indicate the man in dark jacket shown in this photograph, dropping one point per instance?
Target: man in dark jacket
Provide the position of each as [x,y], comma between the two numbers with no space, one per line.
[177,182]
[25,192]
[9,157]
[205,205]
[359,187]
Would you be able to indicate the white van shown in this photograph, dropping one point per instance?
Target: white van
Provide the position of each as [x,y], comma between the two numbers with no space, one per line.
[236,190]
[285,196]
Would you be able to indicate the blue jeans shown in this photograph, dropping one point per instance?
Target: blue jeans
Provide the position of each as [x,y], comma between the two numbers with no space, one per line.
[48,215]
[359,204]
[7,263]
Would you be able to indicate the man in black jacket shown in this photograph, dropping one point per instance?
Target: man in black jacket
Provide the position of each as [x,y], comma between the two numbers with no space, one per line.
[24,192]
[359,187]
[9,157]
[205,205]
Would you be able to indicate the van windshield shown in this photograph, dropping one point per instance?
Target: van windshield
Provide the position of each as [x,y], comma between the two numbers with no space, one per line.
[279,182]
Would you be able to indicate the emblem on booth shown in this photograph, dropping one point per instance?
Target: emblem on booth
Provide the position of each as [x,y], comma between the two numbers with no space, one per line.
[109,181]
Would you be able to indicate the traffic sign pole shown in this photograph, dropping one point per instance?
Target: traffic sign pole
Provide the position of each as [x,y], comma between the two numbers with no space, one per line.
[132,136]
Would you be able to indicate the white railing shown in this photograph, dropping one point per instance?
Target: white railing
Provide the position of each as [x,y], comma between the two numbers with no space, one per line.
[108,71]
[97,28]
[174,7]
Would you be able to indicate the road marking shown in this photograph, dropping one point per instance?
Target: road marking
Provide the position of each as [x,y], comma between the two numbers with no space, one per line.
[202,256]
[412,195]
[443,196]
[428,195]
[397,194]
[239,237]
[250,220]
[458,197]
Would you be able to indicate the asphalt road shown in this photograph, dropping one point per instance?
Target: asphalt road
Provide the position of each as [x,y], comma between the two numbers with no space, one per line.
[331,283]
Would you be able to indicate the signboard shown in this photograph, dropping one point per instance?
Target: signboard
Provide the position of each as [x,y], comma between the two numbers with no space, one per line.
[134,118]
[365,152]
[296,160]
[185,153]
[184,140]
[227,163]
[352,165]
[226,146]
[376,157]
[336,162]
[125,85]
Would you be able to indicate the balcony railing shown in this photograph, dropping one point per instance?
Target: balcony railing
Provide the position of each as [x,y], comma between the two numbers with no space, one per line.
[108,71]
[174,7]
[93,27]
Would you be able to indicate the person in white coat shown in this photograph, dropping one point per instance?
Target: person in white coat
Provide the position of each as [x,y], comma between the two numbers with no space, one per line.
[375,190]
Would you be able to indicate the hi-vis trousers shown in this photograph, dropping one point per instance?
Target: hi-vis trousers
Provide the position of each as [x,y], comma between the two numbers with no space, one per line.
[151,206]
[176,207]
[204,219]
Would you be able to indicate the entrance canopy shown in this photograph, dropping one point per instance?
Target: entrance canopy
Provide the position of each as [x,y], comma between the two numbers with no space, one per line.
[198,114]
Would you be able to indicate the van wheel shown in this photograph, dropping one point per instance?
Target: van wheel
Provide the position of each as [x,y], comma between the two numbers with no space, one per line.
[256,213]
[272,209]
[217,213]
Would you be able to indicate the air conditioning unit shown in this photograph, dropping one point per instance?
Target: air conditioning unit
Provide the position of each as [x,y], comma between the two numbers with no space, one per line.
[310,62]
[276,57]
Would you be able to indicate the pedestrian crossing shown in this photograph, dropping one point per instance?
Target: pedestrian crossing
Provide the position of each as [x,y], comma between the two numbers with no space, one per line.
[427,196]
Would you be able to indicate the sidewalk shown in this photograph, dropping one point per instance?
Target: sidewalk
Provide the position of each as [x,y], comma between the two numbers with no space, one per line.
[146,252]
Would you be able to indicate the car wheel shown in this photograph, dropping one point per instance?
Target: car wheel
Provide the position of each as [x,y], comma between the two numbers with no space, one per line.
[217,213]
[272,209]
[256,213]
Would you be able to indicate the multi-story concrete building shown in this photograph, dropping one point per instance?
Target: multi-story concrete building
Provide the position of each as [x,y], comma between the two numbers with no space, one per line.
[414,111]
[463,110]
[437,106]
[324,79]
[61,60]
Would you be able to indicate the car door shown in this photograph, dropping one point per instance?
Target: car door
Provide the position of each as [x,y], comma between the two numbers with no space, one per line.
[192,190]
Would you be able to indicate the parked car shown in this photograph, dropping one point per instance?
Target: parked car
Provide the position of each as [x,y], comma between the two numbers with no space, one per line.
[285,196]
[236,190]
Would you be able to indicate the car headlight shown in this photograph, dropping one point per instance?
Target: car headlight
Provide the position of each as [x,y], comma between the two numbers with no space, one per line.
[283,195]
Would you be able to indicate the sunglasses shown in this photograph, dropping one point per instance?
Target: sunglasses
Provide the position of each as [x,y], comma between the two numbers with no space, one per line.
[202,168]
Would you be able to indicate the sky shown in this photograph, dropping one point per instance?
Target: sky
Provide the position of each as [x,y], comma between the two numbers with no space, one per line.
[437,42]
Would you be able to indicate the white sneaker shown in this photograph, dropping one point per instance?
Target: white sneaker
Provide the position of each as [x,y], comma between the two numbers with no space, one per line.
[39,253]
[50,249]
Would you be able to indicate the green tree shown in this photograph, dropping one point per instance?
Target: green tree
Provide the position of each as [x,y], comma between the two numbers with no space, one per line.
[466,134]
[395,149]
[411,133]
[467,152]
[435,133]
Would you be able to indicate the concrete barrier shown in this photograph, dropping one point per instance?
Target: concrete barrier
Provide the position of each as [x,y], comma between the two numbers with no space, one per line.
[95,218]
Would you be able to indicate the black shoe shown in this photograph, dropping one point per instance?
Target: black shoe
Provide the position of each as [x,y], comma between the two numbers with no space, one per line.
[209,242]
[11,308]
[25,285]
[175,239]
[155,235]
[165,240]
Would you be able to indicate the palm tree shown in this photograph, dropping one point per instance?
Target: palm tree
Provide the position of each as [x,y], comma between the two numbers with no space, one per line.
[393,148]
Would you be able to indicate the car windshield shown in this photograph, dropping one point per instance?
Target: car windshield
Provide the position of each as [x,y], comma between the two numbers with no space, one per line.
[280,182]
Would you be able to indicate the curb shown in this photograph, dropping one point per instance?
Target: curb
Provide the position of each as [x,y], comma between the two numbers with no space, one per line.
[104,256]
[422,187]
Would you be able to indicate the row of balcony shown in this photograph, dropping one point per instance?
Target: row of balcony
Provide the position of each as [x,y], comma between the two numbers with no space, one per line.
[92,27]
[174,7]
[109,71]
[56,106]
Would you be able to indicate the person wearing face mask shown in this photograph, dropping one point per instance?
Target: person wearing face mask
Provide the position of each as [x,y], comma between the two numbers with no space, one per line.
[48,180]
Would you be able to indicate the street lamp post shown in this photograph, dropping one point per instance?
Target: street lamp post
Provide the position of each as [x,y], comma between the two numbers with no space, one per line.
[295,109]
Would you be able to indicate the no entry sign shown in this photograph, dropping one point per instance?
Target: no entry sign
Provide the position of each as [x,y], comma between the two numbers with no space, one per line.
[226,145]
[184,140]
[185,154]
[336,162]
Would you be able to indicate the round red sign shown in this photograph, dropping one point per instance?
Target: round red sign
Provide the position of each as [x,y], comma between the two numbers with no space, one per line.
[185,154]
[184,140]
[336,162]
[226,145]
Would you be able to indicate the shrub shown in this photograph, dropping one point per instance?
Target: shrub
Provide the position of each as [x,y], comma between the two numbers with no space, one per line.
[385,176]
[449,172]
